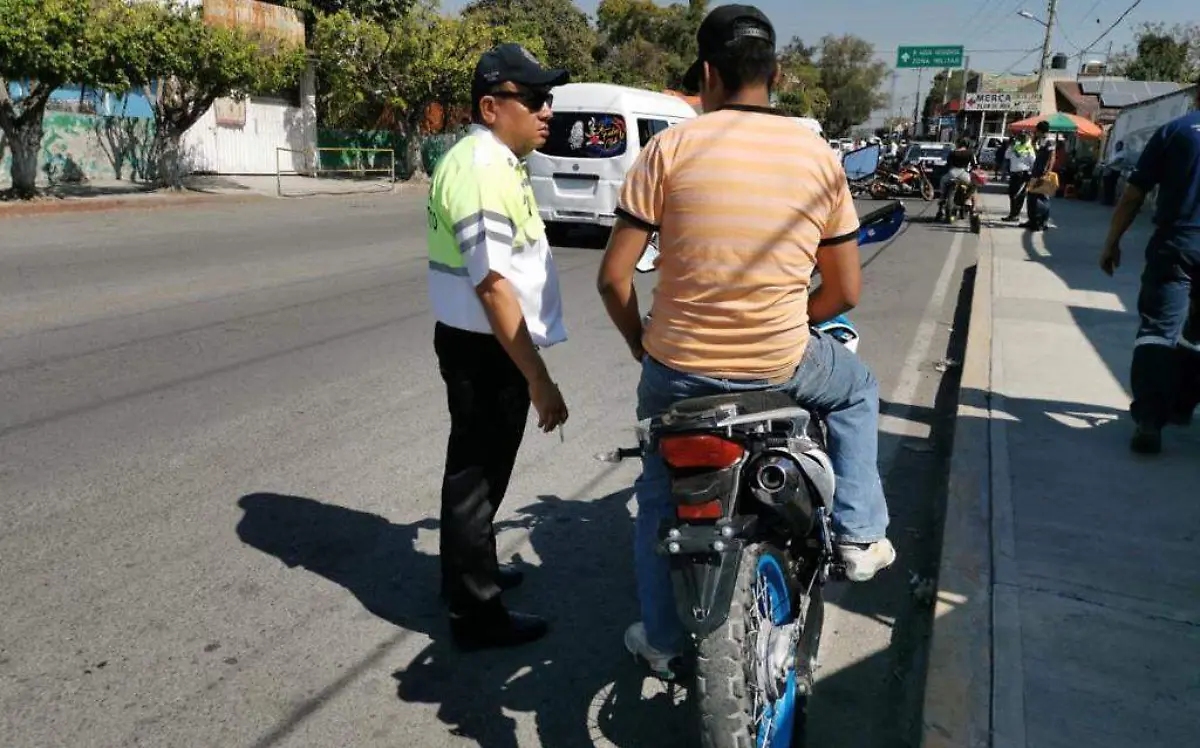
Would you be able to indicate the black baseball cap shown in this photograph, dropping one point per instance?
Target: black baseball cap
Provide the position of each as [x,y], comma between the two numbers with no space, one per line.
[513,63]
[720,29]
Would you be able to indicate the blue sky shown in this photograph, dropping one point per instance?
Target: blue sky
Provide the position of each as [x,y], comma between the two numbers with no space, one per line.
[979,25]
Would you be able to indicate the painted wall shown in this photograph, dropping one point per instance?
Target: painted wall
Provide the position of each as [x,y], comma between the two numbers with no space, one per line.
[91,147]
[77,147]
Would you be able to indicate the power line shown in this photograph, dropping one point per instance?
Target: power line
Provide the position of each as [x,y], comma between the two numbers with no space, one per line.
[1110,28]
[983,22]
[1089,12]
[1026,56]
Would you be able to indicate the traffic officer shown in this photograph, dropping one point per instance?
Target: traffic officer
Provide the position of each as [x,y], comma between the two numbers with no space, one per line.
[494,292]
[1170,280]
[1020,157]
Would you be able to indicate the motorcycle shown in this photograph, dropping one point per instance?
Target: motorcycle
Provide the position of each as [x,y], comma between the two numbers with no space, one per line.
[751,545]
[960,203]
[908,181]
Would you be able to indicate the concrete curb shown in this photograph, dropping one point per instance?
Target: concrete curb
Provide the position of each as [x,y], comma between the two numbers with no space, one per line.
[143,201]
[159,200]
[958,684]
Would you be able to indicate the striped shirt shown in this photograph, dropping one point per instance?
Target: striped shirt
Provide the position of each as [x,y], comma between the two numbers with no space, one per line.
[742,199]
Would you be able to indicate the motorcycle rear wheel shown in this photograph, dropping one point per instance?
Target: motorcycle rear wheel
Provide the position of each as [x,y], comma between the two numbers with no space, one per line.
[727,663]
[879,190]
[926,190]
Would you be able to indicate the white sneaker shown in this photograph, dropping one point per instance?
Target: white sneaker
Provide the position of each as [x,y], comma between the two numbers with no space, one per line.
[639,647]
[864,560]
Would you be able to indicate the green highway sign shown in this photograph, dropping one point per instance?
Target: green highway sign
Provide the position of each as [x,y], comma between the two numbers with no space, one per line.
[929,57]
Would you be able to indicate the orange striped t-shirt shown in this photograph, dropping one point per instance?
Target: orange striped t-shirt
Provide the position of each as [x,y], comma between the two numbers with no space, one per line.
[742,199]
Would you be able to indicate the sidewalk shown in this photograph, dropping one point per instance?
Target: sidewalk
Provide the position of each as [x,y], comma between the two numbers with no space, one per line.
[109,195]
[1068,609]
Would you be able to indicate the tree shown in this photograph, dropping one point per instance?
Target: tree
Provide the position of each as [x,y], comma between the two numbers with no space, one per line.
[647,44]
[195,64]
[851,76]
[948,89]
[374,10]
[1162,54]
[46,44]
[570,40]
[405,66]
[799,91]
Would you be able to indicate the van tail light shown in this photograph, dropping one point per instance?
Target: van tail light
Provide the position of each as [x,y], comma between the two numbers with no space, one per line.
[699,451]
[707,510]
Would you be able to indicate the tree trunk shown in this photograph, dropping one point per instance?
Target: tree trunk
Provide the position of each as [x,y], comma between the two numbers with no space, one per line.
[169,149]
[25,142]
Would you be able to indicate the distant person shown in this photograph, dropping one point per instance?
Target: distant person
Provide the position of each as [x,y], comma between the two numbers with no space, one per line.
[1001,152]
[1037,203]
[494,292]
[1164,361]
[1020,157]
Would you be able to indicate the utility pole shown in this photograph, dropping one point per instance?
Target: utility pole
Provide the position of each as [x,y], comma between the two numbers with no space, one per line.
[962,100]
[895,106]
[1046,45]
[917,104]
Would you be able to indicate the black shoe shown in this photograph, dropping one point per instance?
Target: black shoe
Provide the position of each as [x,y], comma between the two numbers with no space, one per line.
[1010,219]
[496,630]
[509,577]
[1146,440]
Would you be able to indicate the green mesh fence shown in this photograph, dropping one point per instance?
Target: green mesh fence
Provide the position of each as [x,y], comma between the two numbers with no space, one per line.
[431,150]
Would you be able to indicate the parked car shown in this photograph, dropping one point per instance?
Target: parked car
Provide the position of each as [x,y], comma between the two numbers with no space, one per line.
[986,155]
[933,156]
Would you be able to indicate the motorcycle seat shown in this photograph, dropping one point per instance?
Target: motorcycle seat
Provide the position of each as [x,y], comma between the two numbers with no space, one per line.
[742,403]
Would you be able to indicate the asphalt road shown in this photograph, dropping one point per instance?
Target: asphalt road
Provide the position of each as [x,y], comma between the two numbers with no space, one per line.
[221,442]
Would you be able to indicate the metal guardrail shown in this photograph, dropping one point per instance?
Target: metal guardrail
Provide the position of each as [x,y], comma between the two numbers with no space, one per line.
[312,165]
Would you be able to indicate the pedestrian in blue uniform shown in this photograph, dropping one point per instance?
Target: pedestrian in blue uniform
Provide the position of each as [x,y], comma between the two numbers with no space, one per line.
[1162,354]
[1037,203]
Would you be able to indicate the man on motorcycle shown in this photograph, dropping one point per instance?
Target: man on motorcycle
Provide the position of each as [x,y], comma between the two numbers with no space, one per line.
[961,161]
[741,231]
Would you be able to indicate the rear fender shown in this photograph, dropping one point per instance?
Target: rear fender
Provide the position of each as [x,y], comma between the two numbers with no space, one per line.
[702,578]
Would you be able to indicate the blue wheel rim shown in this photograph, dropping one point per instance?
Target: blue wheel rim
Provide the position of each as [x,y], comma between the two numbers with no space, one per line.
[781,714]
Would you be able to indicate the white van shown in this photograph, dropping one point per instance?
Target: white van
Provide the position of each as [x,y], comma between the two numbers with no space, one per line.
[597,131]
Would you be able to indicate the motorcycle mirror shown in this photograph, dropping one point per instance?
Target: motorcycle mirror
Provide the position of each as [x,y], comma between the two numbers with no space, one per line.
[648,262]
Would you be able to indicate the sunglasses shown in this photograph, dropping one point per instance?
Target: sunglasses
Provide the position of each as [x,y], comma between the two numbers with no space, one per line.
[531,100]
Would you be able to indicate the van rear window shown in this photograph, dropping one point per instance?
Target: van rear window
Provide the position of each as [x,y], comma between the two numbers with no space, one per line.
[586,135]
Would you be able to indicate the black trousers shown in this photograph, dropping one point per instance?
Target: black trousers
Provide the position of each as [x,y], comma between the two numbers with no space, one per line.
[1016,183]
[489,405]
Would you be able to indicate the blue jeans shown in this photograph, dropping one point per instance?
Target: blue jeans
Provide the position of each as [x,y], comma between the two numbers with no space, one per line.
[1163,374]
[830,381]
[1039,209]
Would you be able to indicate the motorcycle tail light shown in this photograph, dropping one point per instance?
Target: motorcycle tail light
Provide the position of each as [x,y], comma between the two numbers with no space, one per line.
[707,510]
[699,451]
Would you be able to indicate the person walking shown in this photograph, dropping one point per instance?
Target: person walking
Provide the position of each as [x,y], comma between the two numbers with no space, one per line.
[1037,190]
[494,292]
[1163,388]
[1020,156]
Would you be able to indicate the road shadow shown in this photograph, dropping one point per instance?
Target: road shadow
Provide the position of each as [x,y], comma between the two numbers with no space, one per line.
[579,684]
[878,700]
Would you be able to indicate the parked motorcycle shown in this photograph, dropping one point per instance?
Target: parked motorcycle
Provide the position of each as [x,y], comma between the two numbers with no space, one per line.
[910,180]
[751,545]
